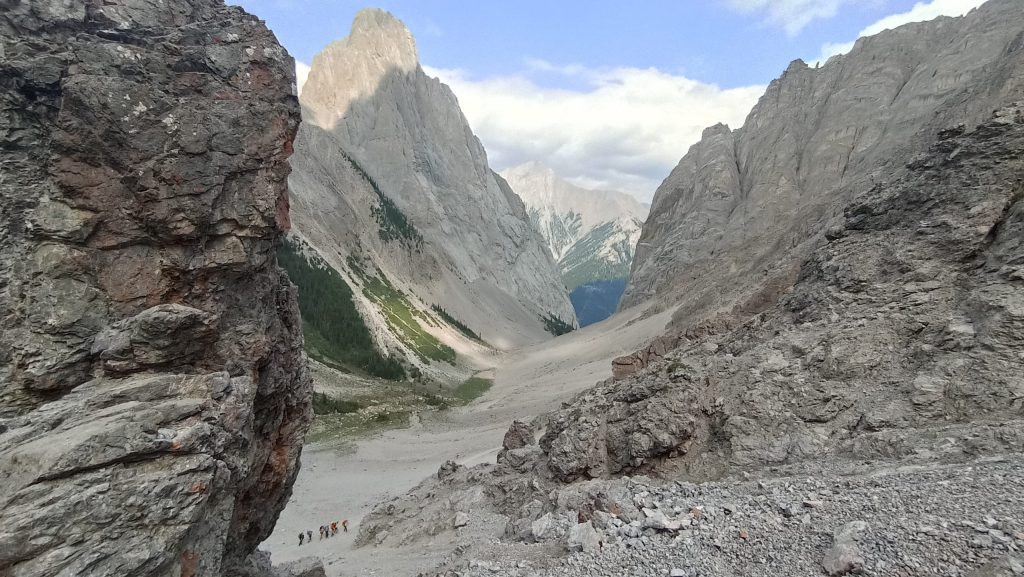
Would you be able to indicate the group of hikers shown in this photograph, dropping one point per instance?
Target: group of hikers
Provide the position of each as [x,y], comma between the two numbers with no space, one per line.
[325,531]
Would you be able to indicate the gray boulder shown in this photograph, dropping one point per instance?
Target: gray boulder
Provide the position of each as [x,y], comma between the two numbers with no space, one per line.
[584,537]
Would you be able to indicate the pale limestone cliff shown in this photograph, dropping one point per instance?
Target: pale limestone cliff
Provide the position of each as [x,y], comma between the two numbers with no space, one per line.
[390,182]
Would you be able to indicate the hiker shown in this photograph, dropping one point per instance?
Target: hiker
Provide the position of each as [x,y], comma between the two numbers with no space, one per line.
[321,532]
[334,528]
[309,536]
[344,525]
[302,536]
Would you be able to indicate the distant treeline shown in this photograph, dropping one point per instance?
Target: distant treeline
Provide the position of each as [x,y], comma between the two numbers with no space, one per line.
[456,323]
[334,331]
[556,326]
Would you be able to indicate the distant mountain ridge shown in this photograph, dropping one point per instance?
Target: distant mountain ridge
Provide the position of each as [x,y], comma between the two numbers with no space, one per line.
[591,233]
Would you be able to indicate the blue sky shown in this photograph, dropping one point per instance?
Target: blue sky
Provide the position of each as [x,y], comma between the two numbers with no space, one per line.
[522,70]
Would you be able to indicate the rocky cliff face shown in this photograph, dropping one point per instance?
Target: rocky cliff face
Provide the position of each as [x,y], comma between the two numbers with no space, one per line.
[391,184]
[591,233]
[894,344]
[751,203]
[900,344]
[153,391]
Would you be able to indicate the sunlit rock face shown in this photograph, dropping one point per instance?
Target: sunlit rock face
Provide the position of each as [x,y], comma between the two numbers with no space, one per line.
[153,391]
[390,181]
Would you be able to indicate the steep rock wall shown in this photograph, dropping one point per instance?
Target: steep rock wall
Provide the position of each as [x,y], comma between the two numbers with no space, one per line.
[730,225]
[384,144]
[899,345]
[153,391]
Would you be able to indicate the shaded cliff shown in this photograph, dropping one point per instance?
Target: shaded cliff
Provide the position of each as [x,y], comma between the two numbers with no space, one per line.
[153,391]
[729,227]
[391,188]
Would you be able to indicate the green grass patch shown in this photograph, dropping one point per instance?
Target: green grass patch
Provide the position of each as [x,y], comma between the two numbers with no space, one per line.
[327,405]
[340,427]
[472,388]
[401,317]
[334,332]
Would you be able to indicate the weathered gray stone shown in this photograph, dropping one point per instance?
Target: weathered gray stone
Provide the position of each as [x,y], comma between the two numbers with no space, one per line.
[583,537]
[656,519]
[546,527]
[153,390]
[843,559]
[519,435]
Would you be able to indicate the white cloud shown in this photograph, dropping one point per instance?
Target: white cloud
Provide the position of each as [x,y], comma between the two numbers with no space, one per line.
[301,73]
[792,15]
[921,12]
[622,129]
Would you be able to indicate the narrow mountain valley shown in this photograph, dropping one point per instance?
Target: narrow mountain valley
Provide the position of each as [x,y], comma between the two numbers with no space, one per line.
[875,347]
[241,304]
[591,234]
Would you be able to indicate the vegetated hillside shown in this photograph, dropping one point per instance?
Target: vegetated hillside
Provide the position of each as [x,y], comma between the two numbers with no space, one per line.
[591,233]
[334,331]
[392,190]
[731,224]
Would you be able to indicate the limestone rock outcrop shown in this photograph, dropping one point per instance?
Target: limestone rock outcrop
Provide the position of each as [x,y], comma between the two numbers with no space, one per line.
[153,389]
[849,277]
[731,224]
[390,183]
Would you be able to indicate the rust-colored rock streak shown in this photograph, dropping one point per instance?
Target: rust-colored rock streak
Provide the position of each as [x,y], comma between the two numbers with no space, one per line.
[153,392]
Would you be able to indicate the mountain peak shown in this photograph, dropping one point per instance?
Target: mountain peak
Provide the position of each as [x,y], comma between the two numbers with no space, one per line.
[381,35]
[353,68]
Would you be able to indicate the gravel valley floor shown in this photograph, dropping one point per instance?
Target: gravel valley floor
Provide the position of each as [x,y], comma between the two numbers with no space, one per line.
[953,519]
[338,484]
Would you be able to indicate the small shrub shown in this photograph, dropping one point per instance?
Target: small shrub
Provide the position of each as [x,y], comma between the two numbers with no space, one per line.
[556,326]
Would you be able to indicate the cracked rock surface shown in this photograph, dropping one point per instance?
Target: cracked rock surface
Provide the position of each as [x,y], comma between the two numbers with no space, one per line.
[153,391]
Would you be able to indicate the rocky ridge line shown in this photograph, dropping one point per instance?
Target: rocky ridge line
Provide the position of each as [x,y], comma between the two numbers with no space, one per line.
[731,224]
